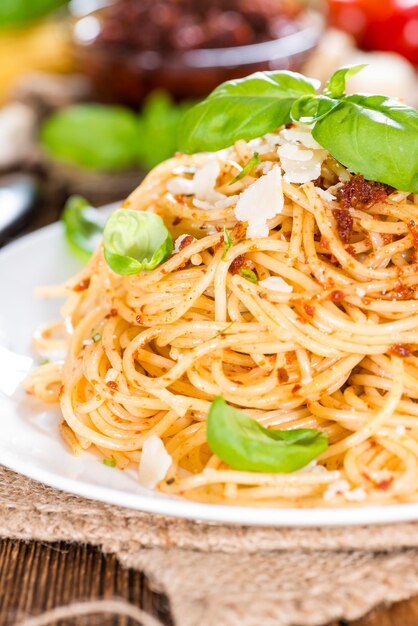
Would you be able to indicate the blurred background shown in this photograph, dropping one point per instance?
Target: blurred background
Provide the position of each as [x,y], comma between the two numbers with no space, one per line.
[91,91]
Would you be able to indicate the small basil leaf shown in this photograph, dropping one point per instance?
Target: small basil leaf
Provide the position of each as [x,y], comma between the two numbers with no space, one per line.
[310,109]
[335,86]
[247,169]
[375,136]
[244,444]
[242,109]
[83,226]
[93,136]
[135,241]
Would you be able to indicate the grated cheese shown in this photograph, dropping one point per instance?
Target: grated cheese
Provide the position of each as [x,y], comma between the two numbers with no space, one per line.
[202,186]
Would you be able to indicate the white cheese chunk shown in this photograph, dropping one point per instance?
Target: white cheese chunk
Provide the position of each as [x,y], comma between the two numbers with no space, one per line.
[202,186]
[155,462]
[260,202]
[301,157]
[276,283]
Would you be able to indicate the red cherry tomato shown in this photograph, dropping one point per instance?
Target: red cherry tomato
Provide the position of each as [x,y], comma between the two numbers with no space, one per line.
[390,25]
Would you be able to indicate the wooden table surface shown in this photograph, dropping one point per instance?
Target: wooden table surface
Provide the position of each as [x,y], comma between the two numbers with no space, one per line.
[35,576]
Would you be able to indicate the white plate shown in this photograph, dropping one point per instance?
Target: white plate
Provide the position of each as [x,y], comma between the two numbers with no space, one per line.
[29,441]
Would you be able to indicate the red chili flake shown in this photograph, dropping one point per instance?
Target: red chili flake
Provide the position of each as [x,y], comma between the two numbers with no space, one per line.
[82,285]
[400,349]
[138,319]
[112,384]
[112,313]
[324,243]
[402,292]
[296,388]
[361,194]
[337,295]
[282,375]
[413,229]
[237,264]
[384,485]
[351,250]
[309,309]
[238,232]
[386,238]
[186,241]
[345,222]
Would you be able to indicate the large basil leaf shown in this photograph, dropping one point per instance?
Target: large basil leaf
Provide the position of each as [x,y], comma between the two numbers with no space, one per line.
[246,445]
[242,109]
[375,136]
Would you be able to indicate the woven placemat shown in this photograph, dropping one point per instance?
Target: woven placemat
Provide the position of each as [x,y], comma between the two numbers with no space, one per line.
[217,575]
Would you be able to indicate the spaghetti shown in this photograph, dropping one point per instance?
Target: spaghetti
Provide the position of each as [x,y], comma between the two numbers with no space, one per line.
[146,354]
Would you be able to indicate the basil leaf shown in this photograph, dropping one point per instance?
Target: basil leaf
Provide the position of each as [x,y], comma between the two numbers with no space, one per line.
[93,136]
[248,275]
[375,136]
[19,12]
[160,117]
[310,109]
[135,241]
[335,86]
[242,109]
[247,169]
[244,444]
[83,226]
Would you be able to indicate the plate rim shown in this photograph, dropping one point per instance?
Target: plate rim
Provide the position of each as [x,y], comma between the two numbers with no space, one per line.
[351,515]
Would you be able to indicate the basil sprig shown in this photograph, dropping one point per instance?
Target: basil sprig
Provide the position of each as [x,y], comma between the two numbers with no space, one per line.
[242,109]
[373,135]
[244,444]
[135,241]
[83,226]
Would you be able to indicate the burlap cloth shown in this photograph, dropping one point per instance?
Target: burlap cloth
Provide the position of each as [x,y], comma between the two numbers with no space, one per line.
[216,575]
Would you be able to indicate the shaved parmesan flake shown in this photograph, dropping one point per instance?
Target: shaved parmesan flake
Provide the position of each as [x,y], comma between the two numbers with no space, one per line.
[202,186]
[301,157]
[154,463]
[260,202]
[324,194]
[276,283]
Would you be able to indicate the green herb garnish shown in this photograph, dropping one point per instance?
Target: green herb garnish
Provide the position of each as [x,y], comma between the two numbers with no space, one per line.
[135,241]
[228,242]
[373,135]
[96,337]
[44,361]
[109,462]
[247,169]
[248,275]
[83,226]
[244,444]
[221,332]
